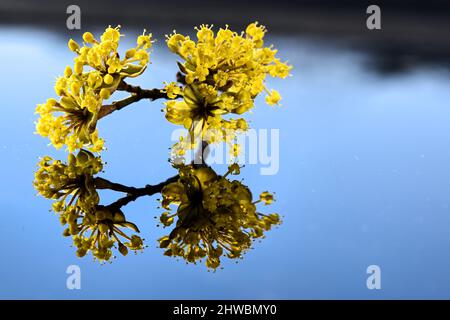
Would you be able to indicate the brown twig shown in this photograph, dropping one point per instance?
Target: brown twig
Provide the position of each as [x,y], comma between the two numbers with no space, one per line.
[132,192]
[137,93]
[101,183]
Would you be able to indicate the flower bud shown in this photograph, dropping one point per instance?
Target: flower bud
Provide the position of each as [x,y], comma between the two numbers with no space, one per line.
[51,102]
[75,88]
[266,197]
[68,72]
[123,249]
[164,242]
[136,242]
[73,46]
[130,53]
[212,263]
[78,67]
[105,94]
[108,79]
[88,37]
[81,252]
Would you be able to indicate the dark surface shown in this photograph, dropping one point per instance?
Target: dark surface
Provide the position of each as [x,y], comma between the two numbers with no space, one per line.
[413,33]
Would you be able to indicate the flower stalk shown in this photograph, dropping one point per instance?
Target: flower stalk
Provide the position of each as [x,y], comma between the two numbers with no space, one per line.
[137,94]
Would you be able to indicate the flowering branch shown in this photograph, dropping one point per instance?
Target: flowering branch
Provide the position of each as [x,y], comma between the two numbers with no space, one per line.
[137,94]
[220,74]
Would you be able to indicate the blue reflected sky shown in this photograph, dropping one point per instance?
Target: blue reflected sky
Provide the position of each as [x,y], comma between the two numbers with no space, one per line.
[364,179]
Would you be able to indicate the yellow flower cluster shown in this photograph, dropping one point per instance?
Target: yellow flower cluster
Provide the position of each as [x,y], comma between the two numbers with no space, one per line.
[99,231]
[223,75]
[72,187]
[215,216]
[59,181]
[72,120]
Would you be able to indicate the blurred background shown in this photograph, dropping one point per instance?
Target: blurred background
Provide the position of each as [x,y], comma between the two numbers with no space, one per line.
[364,152]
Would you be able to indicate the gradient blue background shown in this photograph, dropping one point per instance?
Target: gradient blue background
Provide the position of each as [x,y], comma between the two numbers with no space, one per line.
[364,179]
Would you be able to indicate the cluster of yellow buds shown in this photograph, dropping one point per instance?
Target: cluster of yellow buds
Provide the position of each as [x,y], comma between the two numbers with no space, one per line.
[215,216]
[59,181]
[72,120]
[72,187]
[223,74]
[99,231]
